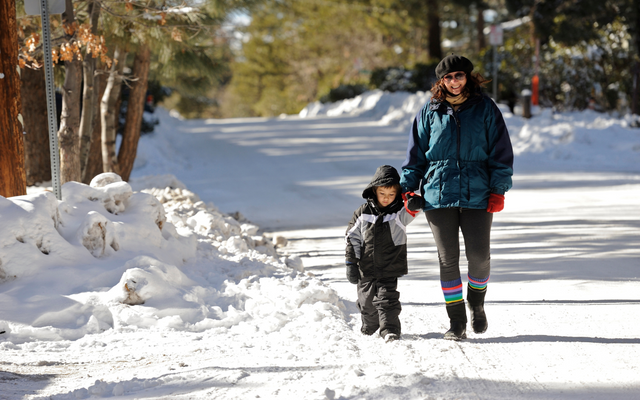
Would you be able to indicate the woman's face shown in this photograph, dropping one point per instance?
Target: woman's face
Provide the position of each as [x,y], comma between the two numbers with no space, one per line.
[455,81]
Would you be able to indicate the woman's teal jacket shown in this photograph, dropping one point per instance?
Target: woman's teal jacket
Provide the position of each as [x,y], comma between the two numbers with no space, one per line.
[457,158]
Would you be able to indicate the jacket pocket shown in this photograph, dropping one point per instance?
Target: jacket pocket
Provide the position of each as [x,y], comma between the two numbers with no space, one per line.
[477,183]
[432,187]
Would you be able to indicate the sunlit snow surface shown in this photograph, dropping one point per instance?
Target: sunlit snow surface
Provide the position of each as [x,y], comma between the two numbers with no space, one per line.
[217,271]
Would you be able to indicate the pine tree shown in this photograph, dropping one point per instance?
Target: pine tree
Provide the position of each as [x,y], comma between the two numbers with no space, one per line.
[294,52]
[89,94]
[36,135]
[169,31]
[68,132]
[581,23]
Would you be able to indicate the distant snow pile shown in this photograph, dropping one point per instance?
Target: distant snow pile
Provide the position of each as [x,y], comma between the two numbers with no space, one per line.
[586,140]
[106,257]
[378,105]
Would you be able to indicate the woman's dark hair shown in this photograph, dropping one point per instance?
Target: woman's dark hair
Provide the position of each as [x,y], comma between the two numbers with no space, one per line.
[475,83]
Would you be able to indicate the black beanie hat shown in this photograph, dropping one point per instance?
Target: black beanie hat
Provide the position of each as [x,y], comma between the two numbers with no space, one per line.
[453,63]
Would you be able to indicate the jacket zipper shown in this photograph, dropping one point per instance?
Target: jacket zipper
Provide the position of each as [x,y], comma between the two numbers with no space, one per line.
[455,116]
[458,128]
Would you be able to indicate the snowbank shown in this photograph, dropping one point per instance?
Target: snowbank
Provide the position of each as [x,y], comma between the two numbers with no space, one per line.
[106,257]
[587,140]
[384,107]
[164,296]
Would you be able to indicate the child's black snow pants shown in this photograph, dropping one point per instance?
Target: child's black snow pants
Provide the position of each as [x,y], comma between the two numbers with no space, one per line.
[379,304]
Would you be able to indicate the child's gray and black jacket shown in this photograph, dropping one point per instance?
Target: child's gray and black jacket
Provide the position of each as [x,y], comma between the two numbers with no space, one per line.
[376,237]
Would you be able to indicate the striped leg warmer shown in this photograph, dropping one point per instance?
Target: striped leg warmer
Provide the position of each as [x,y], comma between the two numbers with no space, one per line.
[452,291]
[478,284]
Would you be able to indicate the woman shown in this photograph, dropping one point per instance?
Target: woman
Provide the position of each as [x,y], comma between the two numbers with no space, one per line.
[460,160]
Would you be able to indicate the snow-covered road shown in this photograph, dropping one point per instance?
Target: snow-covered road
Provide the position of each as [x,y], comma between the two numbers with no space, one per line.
[562,304]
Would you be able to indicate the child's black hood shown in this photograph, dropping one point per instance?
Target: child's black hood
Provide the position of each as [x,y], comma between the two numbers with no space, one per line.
[385,175]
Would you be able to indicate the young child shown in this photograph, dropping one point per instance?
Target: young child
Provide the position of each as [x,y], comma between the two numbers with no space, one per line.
[377,251]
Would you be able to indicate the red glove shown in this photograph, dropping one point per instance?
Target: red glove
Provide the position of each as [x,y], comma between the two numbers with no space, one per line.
[496,203]
[413,203]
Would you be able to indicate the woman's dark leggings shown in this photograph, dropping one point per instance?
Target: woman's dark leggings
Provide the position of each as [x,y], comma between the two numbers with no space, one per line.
[475,224]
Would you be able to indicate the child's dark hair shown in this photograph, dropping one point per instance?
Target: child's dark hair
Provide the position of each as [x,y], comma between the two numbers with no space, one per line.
[395,186]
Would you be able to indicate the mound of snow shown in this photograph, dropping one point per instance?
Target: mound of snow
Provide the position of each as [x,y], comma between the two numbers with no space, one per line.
[108,258]
[586,140]
[378,105]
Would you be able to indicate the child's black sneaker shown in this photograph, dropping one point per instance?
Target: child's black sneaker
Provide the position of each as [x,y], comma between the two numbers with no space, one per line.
[368,331]
[391,337]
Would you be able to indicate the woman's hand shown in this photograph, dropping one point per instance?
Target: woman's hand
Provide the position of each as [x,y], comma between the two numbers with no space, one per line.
[496,203]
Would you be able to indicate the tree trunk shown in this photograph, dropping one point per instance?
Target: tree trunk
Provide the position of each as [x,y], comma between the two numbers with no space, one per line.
[135,111]
[89,95]
[94,163]
[635,106]
[482,43]
[70,116]
[12,176]
[109,113]
[435,36]
[635,96]
[418,44]
[37,153]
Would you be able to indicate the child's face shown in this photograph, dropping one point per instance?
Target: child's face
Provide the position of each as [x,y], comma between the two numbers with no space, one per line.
[386,195]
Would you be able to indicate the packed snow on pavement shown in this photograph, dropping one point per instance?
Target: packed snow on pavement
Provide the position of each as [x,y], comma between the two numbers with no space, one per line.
[218,270]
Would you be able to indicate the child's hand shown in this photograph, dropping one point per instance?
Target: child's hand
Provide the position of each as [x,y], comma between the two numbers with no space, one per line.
[353,273]
[413,203]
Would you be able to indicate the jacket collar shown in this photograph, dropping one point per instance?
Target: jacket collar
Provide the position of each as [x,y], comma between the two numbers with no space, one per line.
[395,206]
[444,106]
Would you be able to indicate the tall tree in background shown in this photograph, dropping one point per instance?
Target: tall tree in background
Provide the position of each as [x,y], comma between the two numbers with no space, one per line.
[566,22]
[89,94]
[417,20]
[94,162]
[135,110]
[137,27]
[68,137]
[294,52]
[433,24]
[12,176]
[479,7]
[37,152]
[581,26]
[630,10]
[109,112]
[69,37]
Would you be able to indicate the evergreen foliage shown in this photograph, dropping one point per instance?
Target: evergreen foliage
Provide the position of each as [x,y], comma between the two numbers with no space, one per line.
[294,52]
[298,51]
[394,79]
[343,92]
[586,54]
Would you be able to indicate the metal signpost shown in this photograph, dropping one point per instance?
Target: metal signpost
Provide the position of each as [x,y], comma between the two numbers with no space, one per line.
[44,8]
[495,39]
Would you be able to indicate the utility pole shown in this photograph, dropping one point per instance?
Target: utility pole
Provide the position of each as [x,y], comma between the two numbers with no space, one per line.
[496,38]
[13,181]
[44,8]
